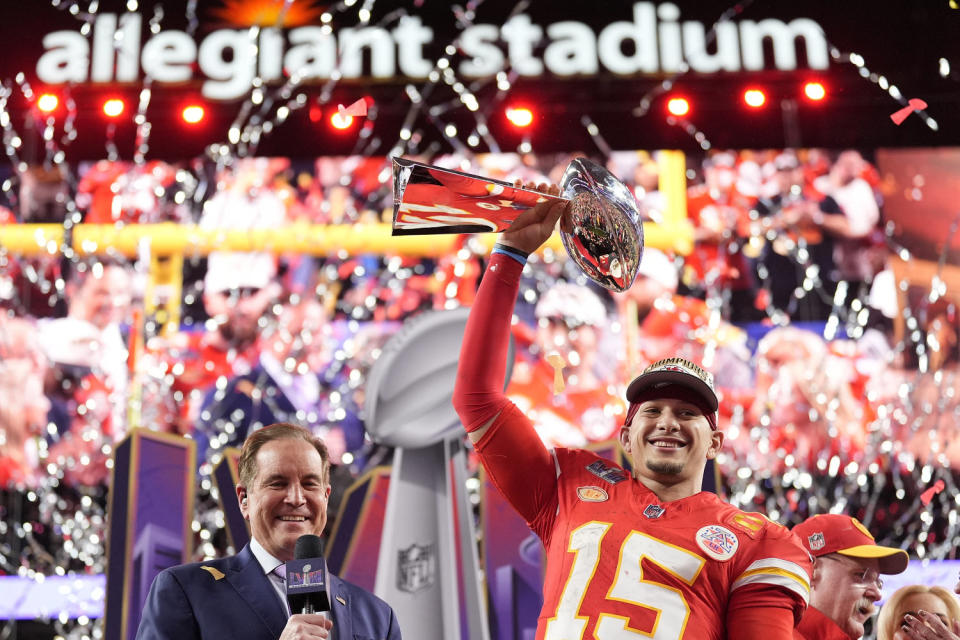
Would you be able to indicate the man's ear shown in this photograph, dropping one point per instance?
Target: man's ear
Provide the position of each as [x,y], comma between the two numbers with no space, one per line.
[625,438]
[817,573]
[242,498]
[716,444]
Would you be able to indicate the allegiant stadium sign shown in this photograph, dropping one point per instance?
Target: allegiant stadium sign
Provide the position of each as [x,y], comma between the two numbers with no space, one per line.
[229,60]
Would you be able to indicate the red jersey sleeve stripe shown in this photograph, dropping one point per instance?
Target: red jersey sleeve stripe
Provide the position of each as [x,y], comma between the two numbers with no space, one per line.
[778,572]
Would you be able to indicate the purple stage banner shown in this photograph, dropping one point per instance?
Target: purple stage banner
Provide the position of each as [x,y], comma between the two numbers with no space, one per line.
[226,474]
[151,512]
[354,543]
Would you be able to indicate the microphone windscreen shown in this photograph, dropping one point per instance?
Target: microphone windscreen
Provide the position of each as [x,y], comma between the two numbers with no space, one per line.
[306,577]
[308,546]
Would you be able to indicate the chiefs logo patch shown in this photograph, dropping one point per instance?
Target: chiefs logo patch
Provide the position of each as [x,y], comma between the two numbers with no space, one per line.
[717,542]
[592,494]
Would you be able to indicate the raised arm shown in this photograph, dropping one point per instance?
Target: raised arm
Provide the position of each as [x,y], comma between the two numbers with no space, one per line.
[509,448]
[478,395]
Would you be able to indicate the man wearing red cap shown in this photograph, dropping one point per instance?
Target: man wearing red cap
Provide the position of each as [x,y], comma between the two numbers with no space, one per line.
[847,565]
[647,556]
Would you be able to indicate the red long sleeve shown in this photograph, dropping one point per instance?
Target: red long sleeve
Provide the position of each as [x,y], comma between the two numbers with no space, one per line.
[478,394]
[511,452]
[761,622]
[757,611]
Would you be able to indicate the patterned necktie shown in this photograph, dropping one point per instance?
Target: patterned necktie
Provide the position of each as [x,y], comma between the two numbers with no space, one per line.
[281,572]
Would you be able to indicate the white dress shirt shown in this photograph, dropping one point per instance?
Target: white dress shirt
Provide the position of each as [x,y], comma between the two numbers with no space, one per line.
[269,564]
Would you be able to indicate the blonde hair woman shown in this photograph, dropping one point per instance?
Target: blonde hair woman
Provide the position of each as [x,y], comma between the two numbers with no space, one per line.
[919,612]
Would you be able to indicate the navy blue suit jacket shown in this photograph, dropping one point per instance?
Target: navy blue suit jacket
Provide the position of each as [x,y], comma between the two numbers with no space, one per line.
[233,598]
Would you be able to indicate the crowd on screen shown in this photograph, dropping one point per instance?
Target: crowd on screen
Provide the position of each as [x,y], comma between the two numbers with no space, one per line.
[786,297]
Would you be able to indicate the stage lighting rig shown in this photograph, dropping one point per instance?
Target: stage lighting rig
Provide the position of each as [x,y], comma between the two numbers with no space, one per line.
[520,117]
[754,98]
[193,114]
[48,102]
[814,91]
[113,107]
[339,122]
[678,106]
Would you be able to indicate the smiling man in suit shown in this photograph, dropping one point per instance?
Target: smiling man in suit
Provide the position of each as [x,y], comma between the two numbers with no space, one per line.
[283,491]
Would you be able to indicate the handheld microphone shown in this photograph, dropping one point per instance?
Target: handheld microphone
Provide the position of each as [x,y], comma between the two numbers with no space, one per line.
[307,577]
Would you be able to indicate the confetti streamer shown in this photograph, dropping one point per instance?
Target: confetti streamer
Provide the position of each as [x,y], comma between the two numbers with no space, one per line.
[595,134]
[691,130]
[358,108]
[927,495]
[868,490]
[915,104]
[556,361]
[881,81]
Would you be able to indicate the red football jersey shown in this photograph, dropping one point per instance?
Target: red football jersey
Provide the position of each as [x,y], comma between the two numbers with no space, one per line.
[621,564]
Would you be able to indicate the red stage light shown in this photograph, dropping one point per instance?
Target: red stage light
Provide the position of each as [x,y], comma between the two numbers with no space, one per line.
[47,102]
[678,106]
[113,107]
[193,114]
[519,116]
[814,91]
[341,122]
[754,98]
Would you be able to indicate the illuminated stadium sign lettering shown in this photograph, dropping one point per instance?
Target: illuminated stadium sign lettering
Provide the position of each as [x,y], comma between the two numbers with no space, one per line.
[228,60]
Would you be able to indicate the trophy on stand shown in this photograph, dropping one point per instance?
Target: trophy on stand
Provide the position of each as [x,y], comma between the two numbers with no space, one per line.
[428,568]
[601,229]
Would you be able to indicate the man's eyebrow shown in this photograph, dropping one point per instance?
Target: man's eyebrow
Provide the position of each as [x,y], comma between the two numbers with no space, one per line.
[280,476]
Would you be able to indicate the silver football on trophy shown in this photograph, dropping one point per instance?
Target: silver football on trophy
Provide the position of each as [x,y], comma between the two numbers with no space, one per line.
[603,232]
[408,400]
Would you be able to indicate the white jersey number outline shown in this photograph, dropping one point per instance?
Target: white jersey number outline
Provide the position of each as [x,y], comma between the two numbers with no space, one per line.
[629,586]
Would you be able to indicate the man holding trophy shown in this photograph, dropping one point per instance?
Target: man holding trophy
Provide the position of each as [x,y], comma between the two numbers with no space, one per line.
[647,555]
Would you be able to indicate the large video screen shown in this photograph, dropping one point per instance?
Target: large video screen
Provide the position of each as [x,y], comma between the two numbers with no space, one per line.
[818,287]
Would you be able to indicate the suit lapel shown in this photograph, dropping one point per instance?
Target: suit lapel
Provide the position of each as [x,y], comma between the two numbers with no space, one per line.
[247,577]
[340,608]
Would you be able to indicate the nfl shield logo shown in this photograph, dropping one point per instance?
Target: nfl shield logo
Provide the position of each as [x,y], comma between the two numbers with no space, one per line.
[416,568]
[653,511]
[816,541]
